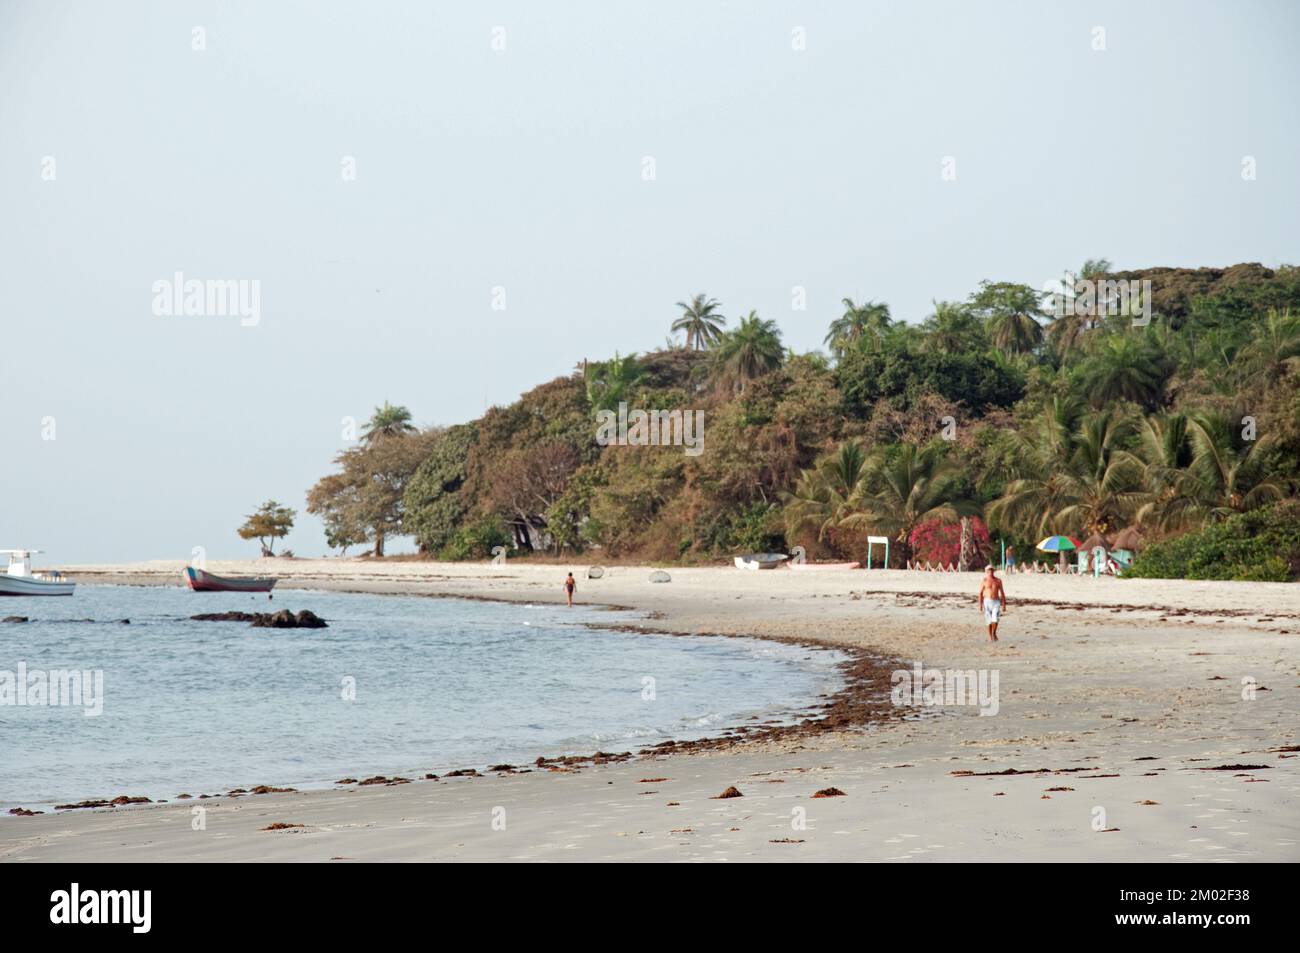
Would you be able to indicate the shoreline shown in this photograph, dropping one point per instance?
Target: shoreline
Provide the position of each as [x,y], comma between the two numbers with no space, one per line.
[858,702]
[1122,686]
[382,581]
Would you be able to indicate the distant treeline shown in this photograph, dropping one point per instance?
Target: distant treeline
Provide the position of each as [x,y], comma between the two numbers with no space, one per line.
[1023,413]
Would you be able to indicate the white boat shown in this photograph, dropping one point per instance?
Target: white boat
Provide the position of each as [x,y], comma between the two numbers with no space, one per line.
[21,581]
[760,560]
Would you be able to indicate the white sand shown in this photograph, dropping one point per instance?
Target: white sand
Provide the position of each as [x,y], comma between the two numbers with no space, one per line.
[1095,687]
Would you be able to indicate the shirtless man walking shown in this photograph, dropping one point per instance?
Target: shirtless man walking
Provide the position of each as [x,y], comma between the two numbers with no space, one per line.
[570,584]
[993,600]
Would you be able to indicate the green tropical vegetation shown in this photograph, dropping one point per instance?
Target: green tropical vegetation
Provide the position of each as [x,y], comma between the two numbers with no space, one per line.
[364,501]
[1262,545]
[998,412]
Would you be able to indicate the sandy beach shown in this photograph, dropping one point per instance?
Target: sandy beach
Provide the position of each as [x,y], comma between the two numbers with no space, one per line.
[1122,732]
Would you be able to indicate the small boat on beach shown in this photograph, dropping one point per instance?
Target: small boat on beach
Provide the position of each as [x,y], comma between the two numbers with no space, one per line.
[760,560]
[807,566]
[21,581]
[201,581]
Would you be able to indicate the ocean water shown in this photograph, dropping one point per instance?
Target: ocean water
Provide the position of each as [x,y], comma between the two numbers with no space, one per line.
[436,684]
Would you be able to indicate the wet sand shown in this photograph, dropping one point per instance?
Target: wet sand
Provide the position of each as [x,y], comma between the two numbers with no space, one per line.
[1119,702]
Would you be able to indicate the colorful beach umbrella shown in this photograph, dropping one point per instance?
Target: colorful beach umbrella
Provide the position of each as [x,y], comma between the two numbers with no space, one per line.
[1058,544]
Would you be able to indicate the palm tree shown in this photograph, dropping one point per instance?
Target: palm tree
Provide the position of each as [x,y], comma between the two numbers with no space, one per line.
[1275,349]
[387,421]
[1216,350]
[1068,476]
[823,495]
[870,320]
[1124,366]
[1049,438]
[750,351]
[1105,483]
[1177,344]
[1226,475]
[905,485]
[952,327]
[1163,451]
[1067,330]
[610,382]
[701,322]
[1011,313]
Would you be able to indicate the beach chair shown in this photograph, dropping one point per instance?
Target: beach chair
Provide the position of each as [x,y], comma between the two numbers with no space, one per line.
[1081,565]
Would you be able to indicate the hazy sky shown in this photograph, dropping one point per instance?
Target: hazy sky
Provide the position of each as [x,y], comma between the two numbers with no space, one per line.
[523,168]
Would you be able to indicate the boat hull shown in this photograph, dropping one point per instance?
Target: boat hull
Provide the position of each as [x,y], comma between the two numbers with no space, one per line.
[27,586]
[760,561]
[816,566]
[201,581]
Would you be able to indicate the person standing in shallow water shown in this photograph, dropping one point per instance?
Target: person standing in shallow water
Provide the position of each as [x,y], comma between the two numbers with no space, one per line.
[570,584]
[993,600]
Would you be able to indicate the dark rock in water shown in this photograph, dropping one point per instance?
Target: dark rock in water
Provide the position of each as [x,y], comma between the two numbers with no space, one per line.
[23,812]
[284,619]
[15,618]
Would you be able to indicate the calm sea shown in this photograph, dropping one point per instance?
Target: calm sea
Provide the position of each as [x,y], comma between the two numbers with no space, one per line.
[395,685]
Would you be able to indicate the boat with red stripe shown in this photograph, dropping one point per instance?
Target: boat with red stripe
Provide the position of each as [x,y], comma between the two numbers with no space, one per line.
[201,581]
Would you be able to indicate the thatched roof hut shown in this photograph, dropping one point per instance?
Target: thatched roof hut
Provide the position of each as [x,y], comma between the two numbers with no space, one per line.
[1130,538]
[1093,541]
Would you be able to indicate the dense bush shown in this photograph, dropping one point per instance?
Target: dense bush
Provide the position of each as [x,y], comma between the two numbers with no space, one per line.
[434,504]
[1260,546]
[902,374]
[754,531]
[939,541]
[475,540]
